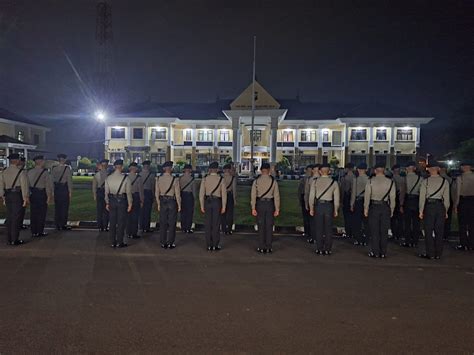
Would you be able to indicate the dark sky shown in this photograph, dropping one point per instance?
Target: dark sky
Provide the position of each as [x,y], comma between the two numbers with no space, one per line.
[417,54]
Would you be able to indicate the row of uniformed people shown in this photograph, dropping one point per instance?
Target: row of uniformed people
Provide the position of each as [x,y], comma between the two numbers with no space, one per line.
[37,187]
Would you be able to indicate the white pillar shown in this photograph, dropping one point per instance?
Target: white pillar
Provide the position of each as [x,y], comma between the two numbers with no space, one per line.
[129,134]
[236,140]
[418,136]
[147,136]
[392,136]
[273,142]
[371,136]
[25,153]
[194,135]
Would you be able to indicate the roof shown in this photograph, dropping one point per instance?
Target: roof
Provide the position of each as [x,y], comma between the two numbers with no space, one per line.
[297,110]
[8,139]
[8,115]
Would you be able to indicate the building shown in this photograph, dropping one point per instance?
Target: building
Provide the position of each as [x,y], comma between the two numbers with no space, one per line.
[19,135]
[302,132]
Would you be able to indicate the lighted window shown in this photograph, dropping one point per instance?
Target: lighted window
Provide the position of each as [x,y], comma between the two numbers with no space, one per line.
[137,157]
[158,158]
[224,136]
[337,138]
[205,135]
[308,135]
[20,136]
[257,135]
[359,134]
[158,133]
[325,135]
[381,134]
[287,136]
[187,134]
[138,133]
[117,133]
[404,134]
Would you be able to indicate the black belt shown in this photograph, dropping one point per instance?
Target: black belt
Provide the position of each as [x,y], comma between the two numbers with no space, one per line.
[186,192]
[167,198]
[211,197]
[265,199]
[37,189]
[434,200]
[60,183]
[13,190]
[413,196]
[323,202]
[378,202]
[118,197]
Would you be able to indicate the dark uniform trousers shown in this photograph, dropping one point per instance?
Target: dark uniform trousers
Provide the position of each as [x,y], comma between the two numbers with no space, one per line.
[38,210]
[361,227]
[323,214]
[466,221]
[227,219]
[213,206]
[134,215]
[187,210]
[118,217]
[396,222]
[145,219]
[168,216]
[61,204]
[447,223]
[433,221]
[379,223]
[411,213]
[306,217]
[14,205]
[265,208]
[22,217]
[102,213]
[348,215]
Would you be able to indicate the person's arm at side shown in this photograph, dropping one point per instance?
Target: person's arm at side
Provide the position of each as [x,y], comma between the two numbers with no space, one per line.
[157,193]
[177,194]
[336,198]
[224,197]
[353,193]
[446,197]
[367,196]
[25,188]
[202,192]
[107,192]
[312,196]
[393,199]
[276,199]
[128,191]
[421,203]
[69,181]
[253,198]
[94,187]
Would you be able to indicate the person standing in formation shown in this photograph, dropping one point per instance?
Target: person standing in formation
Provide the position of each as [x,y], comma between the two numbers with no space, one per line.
[324,199]
[15,192]
[168,198]
[148,196]
[464,206]
[213,199]
[411,207]
[41,194]
[379,204]
[443,172]
[119,200]
[230,182]
[187,186]
[434,205]
[98,192]
[309,182]
[303,200]
[346,187]
[265,203]
[22,166]
[136,184]
[397,218]
[62,178]
[360,227]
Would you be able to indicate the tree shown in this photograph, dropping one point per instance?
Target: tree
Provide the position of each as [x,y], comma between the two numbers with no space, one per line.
[84,163]
[228,159]
[334,162]
[465,150]
[283,165]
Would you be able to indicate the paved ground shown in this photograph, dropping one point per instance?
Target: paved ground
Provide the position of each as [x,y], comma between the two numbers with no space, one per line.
[71,293]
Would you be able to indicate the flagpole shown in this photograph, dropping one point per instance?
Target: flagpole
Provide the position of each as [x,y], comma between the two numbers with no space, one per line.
[253,109]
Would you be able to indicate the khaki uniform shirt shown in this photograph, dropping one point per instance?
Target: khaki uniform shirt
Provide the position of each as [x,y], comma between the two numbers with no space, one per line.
[260,186]
[464,186]
[45,182]
[8,177]
[346,182]
[112,184]
[56,173]
[307,188]
[162,185]
[376,188]
[188,179]
[148,179]
[429,186]
[136,184]
[208,184]
[401,186]
[358,187]
[230,182]
[98,181]
[318,192]
[413,182]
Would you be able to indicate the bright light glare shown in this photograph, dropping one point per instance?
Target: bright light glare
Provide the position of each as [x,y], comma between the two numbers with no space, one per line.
[450,162]
[100,115]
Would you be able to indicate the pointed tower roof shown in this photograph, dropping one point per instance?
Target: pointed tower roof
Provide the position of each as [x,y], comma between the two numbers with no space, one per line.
[263,100]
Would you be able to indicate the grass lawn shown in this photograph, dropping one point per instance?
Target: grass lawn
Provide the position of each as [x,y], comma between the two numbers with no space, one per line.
[83,206]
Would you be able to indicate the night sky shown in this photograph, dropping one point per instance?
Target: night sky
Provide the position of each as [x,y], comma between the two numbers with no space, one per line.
[416,54]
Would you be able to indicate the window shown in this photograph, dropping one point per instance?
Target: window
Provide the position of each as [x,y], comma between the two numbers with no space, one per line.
[404,159]
[404,134]
[137,157]
[203,159]
[308,135]
[287,136]
[337,138]
[187,135]
[36,139]
[158,133]
[381,159]
[224,135]
[325,135]
[116,156]
[117,133]
[357,159]
[138,133]
[205,135]
[257,136]
[222,159]
[359,134]
[381,134]
[158,158]
[20,136]
[307,159]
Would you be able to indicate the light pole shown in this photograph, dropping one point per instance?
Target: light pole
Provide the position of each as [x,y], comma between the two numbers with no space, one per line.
[253,108]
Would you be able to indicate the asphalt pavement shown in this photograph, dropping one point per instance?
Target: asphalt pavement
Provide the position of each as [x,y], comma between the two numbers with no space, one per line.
[71,293]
